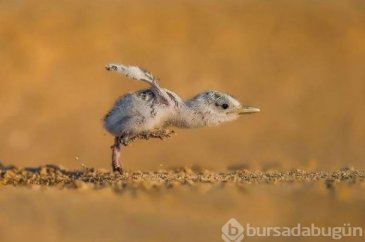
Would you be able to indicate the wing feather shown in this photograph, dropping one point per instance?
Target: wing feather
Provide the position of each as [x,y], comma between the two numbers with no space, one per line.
[133,72]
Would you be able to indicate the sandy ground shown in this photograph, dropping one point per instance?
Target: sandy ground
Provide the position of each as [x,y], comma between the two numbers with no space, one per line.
[51,175]
[53,204]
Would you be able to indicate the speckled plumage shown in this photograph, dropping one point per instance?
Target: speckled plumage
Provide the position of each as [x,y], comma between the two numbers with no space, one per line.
[147,113]
[140,111]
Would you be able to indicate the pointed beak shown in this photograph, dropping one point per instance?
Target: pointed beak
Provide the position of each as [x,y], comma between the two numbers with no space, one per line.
[248,110]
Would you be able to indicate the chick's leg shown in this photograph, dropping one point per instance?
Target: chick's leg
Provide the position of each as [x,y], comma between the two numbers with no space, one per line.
[158,133]
[116,165]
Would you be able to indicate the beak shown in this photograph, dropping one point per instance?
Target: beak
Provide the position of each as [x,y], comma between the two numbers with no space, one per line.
[248,110]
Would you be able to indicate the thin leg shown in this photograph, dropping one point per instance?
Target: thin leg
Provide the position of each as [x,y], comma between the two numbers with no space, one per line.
[159,133]
[116,156]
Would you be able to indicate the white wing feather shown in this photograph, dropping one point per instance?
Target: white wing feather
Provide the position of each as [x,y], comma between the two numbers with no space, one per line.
[138,73]
[133,72]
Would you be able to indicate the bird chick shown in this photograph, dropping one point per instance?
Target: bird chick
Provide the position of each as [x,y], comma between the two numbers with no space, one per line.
[148,113]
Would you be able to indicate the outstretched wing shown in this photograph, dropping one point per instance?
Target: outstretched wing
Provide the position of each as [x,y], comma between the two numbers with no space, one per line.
[138,73]
[133,72]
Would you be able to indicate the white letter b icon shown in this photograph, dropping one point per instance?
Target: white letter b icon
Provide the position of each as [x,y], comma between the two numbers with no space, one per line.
[232,231]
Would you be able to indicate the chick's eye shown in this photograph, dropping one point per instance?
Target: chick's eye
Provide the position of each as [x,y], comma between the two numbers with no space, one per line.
[225,105]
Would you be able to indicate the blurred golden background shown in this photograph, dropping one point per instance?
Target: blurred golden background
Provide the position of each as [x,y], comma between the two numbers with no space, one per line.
[301,62]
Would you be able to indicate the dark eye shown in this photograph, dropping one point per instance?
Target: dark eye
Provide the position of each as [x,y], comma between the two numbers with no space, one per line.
[225,105]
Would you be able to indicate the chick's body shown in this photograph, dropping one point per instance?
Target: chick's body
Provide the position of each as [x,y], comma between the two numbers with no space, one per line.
[146,113]
[141,111]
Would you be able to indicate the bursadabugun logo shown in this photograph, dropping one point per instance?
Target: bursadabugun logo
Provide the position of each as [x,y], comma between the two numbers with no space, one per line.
[233,231]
